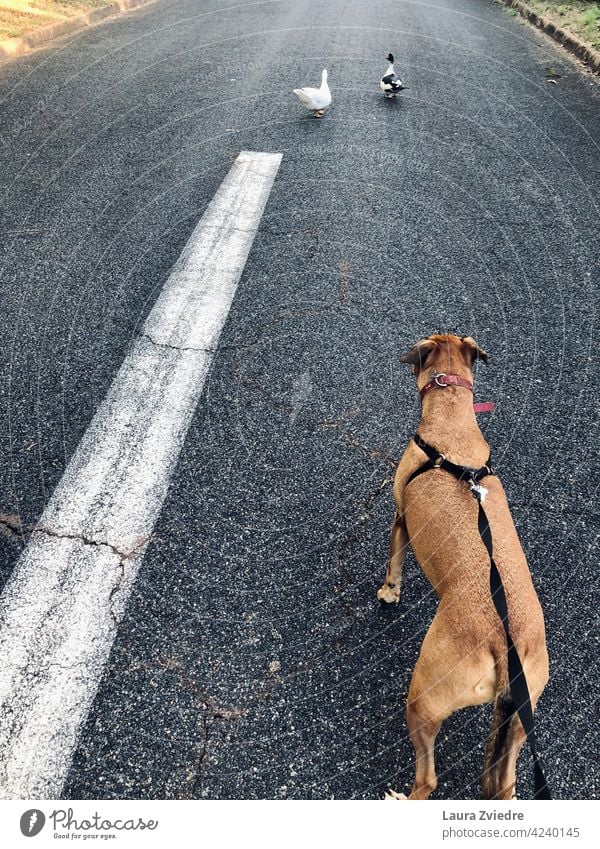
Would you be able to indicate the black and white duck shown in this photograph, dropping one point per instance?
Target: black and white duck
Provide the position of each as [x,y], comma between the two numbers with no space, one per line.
[390,84]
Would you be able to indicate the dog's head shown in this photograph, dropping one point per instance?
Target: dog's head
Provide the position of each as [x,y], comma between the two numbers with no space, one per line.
[445,354]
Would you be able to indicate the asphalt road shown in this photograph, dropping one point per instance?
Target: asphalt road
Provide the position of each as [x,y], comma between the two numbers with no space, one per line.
[253,660]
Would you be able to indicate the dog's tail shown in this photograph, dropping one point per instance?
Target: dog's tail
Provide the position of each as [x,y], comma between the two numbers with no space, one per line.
[499,744]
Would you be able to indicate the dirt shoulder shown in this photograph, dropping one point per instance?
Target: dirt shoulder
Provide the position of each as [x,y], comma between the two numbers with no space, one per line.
[581,17]
[575,24]
[19,17]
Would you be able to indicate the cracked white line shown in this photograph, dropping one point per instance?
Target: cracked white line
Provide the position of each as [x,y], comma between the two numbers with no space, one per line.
[60,609]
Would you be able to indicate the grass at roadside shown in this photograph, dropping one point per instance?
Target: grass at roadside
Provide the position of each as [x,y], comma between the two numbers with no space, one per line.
[18,17]
[581,17]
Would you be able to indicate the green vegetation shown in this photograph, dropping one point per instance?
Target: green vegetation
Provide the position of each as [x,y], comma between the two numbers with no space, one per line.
[18,17]
[581,17]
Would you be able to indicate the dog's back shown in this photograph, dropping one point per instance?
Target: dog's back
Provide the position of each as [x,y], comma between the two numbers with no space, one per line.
[441,518]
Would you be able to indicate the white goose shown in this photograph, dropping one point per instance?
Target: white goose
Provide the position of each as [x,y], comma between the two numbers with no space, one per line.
[315,99]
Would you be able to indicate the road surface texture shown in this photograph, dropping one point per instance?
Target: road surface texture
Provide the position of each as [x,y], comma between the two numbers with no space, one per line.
[252,659]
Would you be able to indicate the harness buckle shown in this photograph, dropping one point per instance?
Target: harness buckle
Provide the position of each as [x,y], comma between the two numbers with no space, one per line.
[436,378]
[439,460]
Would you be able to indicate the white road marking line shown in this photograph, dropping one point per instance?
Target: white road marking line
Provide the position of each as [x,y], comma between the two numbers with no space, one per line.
[60,609]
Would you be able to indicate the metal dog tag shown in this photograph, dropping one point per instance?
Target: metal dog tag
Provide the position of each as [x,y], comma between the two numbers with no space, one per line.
[479,491]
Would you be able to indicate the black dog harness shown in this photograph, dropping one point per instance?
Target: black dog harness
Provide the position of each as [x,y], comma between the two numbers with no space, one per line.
[519,692]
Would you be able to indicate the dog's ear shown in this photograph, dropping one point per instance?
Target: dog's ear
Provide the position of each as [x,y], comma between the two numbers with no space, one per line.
[472,350]
[419,353]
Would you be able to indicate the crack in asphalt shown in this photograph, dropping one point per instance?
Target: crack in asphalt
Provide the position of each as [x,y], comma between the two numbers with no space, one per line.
[177,347]
[124,558]
[44,529]
[354,442]
[352,537]
[117,587]
[343,298]
[286,315]
[255,384]
[210,714]
[12,528]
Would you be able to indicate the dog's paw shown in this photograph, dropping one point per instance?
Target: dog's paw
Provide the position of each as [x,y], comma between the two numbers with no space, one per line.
[389,593]
[392,796]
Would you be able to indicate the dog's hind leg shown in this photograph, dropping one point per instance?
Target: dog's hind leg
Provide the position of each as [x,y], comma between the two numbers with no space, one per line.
[507,737]
[390,589]
[423,727]
[446,678]
[425,712]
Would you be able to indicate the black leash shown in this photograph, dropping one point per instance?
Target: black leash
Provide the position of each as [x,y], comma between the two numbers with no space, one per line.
[519,692]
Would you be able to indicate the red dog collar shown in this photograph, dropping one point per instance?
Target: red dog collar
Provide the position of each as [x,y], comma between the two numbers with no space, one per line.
[440,381]
[484,407]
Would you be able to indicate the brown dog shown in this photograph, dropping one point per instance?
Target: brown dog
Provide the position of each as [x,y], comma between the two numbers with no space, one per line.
[463,659]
